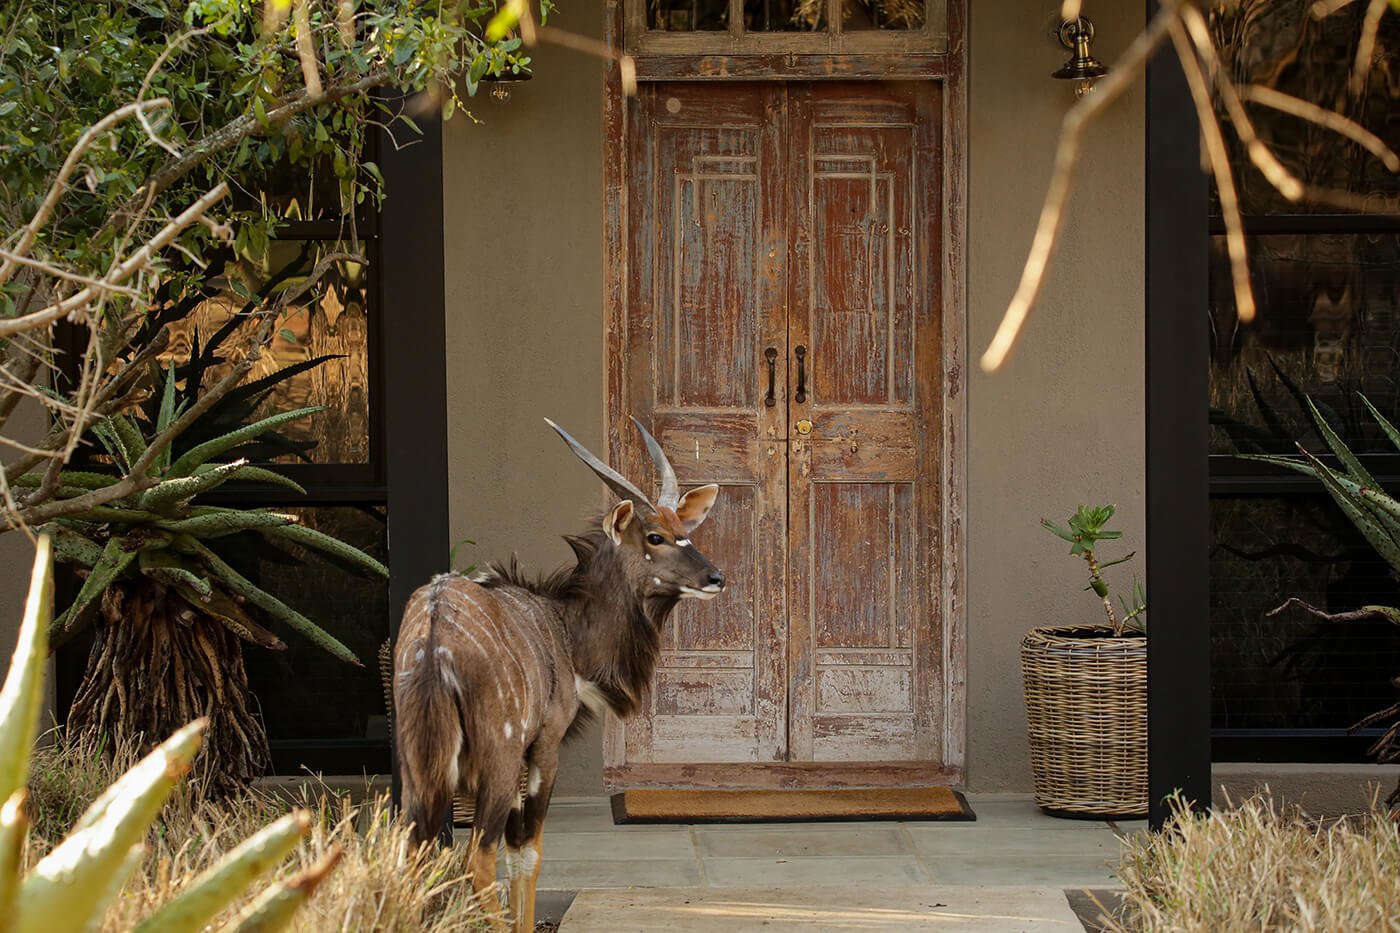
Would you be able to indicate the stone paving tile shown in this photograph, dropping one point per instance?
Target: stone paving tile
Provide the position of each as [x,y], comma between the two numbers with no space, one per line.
[823,909]
[1063,871]
[593,814]
[747,872]
[575,874]
[939,841]
[610,845]
[802,841]
[1014,810]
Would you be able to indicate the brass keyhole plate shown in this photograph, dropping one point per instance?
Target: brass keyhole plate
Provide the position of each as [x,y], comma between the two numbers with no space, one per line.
[804,427]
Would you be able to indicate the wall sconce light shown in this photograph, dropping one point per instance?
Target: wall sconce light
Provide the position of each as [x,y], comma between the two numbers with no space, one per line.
[1082,68]
[501,82]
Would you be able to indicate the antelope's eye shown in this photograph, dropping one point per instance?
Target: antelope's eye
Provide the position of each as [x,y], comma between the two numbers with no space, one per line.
[655,538]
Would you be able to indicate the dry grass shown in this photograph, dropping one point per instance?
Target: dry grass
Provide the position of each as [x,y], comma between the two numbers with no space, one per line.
[1255,867]
[383,882]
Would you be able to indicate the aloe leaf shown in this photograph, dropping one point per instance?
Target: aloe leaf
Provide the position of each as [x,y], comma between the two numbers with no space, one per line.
[1343,452]
[69,547]
[164,417]
[13,829]
[192,909]
[1280,431]
[72,884]
[23,694]
[272,380]
[271,604]
[1360,516]
[229,522]
[166,568]
[224,610]
[256,474]
[107,436]
[129,436]
[333,547]
[76,479]
[213,448]
[274,909]
[115,559]
[168,493]
[1385,424]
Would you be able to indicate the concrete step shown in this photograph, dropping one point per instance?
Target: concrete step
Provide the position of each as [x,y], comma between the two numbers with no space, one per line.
[853,907]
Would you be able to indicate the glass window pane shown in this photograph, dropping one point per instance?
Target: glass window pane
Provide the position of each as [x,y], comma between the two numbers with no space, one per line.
[688,15]
[337,325]
[858,15]
[784,15]
[302,692]
[1294,671]
[1288,50]
[1328,325]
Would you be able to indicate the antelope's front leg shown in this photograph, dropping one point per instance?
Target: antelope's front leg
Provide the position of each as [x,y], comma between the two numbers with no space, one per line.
[524,838]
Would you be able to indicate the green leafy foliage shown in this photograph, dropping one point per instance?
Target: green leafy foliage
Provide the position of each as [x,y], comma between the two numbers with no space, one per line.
[1084,530]
[71,887]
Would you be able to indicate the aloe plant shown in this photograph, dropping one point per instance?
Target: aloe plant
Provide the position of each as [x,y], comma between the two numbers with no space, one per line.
[170,608]
[1375,513]
[1084,530]
[71,887]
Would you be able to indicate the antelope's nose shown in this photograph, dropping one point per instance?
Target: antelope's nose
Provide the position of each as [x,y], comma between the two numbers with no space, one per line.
[715,581]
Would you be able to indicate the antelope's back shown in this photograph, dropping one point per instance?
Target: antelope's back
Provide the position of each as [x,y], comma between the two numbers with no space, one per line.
[495,645]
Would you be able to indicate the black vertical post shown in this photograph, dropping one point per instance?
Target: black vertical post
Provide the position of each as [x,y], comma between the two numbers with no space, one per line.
[1178,518]
[411,269]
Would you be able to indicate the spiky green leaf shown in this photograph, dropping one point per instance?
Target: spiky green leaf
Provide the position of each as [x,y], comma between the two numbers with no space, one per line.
[71,885]
[1340,449]
[14,827]
[171,492]
[1385,424]
[23,694]
[220,445]
[1356,510]
[117,555]
[275,907]
[269,603]
[69,547]
[165,567]
[256,474]
[333,547]
[202,900]
[77,479]
[227,522]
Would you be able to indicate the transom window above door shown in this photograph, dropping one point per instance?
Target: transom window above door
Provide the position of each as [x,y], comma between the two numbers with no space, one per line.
[728,27]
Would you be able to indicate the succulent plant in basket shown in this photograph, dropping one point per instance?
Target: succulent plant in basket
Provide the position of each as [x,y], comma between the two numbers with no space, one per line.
[168,611]
[1086,691]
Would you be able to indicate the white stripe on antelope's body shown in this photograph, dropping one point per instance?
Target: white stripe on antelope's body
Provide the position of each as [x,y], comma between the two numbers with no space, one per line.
[494,671]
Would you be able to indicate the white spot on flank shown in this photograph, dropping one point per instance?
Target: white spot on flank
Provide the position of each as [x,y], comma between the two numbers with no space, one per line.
[418,656]
[510,730]
[646,556]
[590,696]
[656,580]
[536,779]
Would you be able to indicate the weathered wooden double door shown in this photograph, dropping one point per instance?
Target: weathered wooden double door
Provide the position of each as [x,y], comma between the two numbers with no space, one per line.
[782,337]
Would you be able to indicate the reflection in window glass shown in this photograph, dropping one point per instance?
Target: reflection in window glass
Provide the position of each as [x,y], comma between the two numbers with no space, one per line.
[881,14]
[1328,325]
[1279,45]
[784,15]
[1294,671]
[304,693]
[337,325]
[688,15]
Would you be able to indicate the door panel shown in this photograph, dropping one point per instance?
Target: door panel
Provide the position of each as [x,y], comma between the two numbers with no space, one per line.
[708,224]
[863,496]
[777,216]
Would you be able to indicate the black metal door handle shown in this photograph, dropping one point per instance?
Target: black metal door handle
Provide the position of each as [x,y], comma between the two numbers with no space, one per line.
[771,355]
[801,352]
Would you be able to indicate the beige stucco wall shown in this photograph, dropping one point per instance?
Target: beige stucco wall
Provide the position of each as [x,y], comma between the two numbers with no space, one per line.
[17,553]
[1062,424]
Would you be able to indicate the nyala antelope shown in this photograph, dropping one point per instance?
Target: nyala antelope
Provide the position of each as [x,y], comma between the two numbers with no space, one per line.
[495,671]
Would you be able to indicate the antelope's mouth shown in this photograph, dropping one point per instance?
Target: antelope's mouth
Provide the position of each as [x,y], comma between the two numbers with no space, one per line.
[707,592]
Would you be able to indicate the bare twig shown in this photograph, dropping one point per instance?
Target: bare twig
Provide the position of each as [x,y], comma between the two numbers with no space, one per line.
[1090,106]
[1328,119]
[123,271]
[1366,45]
[1220,167]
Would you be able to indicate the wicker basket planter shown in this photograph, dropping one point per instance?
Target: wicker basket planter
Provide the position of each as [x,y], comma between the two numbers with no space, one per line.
[1086,711]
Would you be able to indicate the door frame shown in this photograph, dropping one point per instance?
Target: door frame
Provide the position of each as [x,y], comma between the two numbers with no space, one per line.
[948,67]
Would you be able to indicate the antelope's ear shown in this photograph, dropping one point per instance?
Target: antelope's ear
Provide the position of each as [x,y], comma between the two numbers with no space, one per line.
[695,505]
[616,521]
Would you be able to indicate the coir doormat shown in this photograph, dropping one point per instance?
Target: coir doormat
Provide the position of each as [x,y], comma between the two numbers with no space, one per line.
[648,805]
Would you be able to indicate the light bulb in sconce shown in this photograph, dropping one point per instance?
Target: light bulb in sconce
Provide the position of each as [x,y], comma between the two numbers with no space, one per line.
[501,83]
[1082,68]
